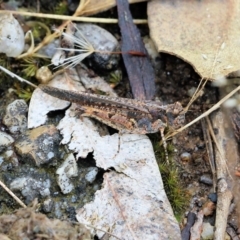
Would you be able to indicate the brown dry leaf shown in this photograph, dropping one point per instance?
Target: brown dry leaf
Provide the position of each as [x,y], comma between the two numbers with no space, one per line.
[95,6]
[203,33]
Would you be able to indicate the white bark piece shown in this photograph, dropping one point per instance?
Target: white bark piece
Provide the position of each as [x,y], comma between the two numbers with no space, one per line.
[132,203]
[41,103]
[79,134]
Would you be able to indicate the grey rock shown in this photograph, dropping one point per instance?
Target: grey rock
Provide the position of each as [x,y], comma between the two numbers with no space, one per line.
[102,41]
[91,175]
[41,144]
[5,141]
[31,187]
[15,118]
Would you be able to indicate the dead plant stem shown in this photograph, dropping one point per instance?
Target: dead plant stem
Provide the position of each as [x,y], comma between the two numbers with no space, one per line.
[72,18]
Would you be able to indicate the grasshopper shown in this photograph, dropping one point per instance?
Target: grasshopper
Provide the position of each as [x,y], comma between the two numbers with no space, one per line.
[123,114]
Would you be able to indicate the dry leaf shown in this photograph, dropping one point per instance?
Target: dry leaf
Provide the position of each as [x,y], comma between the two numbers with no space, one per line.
[203,33]
[95,6]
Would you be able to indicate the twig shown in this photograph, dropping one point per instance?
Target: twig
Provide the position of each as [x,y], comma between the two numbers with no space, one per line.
[12,194]
[72,18]
[209,147]
[228,152]
[218,147]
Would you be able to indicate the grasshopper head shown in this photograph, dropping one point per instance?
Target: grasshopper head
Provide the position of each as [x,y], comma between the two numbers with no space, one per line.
[175,115]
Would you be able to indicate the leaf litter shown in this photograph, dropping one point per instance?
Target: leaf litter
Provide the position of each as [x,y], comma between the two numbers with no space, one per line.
[131,198]
[205,56]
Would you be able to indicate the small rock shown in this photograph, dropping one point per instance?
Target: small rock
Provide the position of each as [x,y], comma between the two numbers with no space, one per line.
[102,41]
[185,157]
[47,205]
[40,144]
[91,175]
[206,179]
[49,49]
[67,170]
[5,140]
[207,232]
[31,187]
[10,159]
[213,197]
[15,118]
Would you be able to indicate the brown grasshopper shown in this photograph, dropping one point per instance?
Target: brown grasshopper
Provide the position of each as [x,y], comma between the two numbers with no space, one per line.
[125,115]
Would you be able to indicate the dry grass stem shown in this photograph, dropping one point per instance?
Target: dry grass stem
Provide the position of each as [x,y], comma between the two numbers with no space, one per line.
[197,93]
[72,18]
[202,85]
[219,148]
[210,152]
[215,107]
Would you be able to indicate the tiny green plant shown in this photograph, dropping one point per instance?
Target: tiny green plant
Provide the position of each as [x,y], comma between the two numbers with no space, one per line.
[175,191]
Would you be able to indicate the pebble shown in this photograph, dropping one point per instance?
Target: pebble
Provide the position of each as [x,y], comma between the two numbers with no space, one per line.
[206,179]
[47,205]
[16,116]
[32,187]
[102,41]
[207,232]
[213,197]
[5,141]
[11,36]
[67,170]
[185,157]
[44,75]
[40,144]
[91,175]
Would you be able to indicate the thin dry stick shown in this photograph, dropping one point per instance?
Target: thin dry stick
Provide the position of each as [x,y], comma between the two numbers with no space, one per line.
[221,153]
[196,93]
[72,18]
[216,106]
[209,148]
[12,194]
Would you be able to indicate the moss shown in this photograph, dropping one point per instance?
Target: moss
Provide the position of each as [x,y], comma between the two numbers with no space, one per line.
[173,186]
